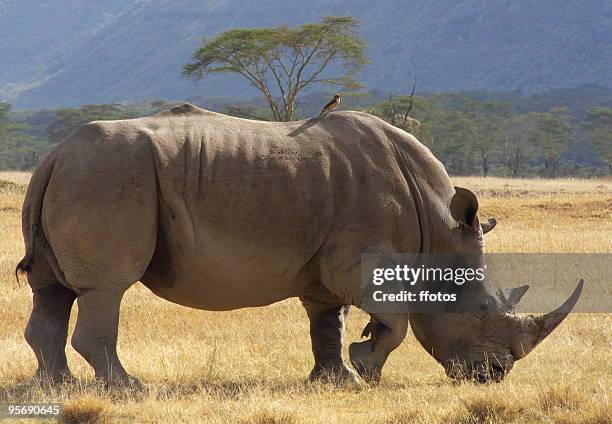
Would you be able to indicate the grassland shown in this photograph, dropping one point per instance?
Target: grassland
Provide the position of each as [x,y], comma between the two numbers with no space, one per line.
[250,365]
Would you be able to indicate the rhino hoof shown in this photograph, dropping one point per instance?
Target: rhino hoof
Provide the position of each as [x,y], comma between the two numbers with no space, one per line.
[43,378]
[123,383]
[361,358]
[338,376]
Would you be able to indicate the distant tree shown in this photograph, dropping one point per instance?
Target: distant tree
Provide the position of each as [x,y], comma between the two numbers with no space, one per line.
[68,120]
[598,125]
[465,128]
[17,149]
[398,112]
[10,131]
[488,124]
[551,133]
[472,133]
[281,62]
[5,108]
[456,141]
[400,109]
[516,147]
[442,128]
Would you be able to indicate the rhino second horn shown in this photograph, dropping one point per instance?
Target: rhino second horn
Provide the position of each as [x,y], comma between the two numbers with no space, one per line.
[532,330]
[513,296]
[488,226]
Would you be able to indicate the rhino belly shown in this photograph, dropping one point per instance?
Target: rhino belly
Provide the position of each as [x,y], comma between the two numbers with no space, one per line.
[220,276]
[214,294]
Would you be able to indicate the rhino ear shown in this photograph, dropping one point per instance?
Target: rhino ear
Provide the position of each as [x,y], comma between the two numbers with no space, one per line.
[464,207]
[513,296]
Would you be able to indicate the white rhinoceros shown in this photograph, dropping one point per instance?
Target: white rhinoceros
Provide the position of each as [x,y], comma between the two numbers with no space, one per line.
[218,213]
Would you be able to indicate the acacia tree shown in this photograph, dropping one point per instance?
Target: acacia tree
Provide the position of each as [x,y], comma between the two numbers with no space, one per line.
[516,147]
[17,148]
[400,109]
[9,130]
[599,127]
[468,127]
[281,62]
[488,125]
[398,112]
[552,133]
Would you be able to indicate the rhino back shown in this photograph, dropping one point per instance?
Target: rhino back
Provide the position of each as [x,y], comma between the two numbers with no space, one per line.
[261,210]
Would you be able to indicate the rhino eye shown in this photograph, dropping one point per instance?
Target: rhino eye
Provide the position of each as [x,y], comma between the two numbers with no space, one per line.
[483,310]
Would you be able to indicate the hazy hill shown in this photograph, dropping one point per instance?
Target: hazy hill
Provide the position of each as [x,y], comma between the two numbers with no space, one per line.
[70,52]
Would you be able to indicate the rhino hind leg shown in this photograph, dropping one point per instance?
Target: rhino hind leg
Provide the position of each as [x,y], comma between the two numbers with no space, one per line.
[100,221]
[47,331]
[326,333]
[95,336]
[387,332]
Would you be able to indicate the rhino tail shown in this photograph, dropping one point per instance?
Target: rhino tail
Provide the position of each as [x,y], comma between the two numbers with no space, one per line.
[33,235]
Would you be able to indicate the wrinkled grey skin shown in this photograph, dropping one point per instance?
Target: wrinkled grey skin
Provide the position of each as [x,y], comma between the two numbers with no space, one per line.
[218,213]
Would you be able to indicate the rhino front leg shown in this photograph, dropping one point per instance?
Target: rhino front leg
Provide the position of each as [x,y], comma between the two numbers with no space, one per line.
[95,335]
[326,334]
[47,331]
[387,333]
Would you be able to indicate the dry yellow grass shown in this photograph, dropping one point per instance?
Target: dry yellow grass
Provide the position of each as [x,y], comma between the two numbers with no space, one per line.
[249,366]
[86,409]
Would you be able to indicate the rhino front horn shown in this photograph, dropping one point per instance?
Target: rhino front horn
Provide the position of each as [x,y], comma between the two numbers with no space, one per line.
[532,330]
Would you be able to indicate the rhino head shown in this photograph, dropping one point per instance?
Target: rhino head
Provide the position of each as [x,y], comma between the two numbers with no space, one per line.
[484,343]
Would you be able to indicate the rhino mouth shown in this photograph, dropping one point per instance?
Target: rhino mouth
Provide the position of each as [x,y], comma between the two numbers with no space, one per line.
[488,373]
[478,372]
